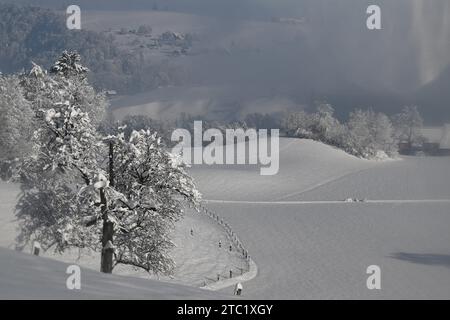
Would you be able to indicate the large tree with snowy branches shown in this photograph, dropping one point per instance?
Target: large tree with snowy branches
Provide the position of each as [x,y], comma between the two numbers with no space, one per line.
[119,194]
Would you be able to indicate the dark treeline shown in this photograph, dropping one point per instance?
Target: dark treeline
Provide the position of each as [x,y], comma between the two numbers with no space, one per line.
[40,35]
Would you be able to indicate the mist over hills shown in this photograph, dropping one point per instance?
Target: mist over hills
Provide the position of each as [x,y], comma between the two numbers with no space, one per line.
[329,55]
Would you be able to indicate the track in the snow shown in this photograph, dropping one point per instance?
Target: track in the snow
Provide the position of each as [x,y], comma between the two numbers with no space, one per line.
[328,201]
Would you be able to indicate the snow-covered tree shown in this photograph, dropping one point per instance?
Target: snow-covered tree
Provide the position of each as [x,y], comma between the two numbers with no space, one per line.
[155,187]
[383,132]
[321,125]
[139,122]
[408,125]
[370,132]
[360,138]
[117,195]
[68,65]
[16,119]
[298,124]
[324,121]
[365,133]
[40,88]
[64,157]
[325,127]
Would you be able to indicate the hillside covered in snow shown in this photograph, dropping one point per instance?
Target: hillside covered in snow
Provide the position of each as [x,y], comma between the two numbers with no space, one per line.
[307,242]
[24,276]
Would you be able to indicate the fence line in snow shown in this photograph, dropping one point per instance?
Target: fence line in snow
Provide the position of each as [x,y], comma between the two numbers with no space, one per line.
[235,241]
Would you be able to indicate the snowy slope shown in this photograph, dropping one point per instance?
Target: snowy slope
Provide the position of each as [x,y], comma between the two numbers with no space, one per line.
[304,164]
[197,256]
[320,249]
[24,276]
[412,178]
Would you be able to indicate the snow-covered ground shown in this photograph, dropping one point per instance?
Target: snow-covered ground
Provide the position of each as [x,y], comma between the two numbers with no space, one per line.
[411,178]
[321,249]
[308,242]
[24,276]
[304,165]
[197,256]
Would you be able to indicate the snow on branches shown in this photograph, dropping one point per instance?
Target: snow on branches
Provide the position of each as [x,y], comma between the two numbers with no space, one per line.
[69,64]
[156,187]
[75,181]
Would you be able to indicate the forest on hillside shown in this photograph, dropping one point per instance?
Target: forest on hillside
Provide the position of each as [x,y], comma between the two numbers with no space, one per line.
[40,35]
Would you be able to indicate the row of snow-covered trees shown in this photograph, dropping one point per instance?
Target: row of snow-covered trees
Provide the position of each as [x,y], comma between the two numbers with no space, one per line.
[365,134]
[118,194]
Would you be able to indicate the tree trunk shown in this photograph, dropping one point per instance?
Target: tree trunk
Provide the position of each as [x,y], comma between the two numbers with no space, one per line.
[111,164]
[108,226]
[107,238]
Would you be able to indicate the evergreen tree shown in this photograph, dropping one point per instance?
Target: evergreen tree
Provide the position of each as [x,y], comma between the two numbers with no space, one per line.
[69,65]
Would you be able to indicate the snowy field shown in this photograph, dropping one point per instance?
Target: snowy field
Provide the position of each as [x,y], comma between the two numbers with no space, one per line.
[418,178]
[197,256]
[305,240]
[304,165]
[320,249]
[23,276]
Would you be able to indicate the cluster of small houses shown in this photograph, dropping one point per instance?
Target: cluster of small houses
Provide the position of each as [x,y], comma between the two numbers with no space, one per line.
[436,142]
[172,43]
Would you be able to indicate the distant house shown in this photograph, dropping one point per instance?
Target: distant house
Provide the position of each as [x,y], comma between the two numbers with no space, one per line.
[110,93]
[437,140]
